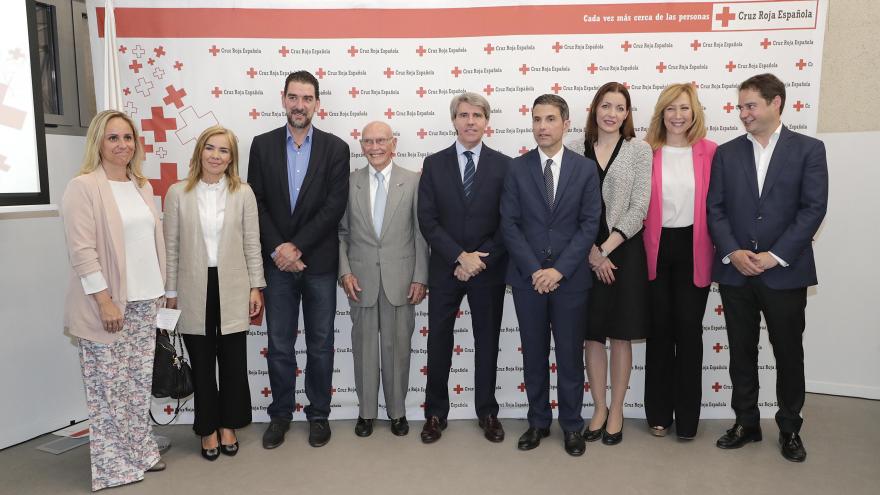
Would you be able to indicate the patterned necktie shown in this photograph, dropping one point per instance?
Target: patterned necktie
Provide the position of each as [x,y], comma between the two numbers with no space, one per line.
[379,203]
[548,183]
[470,170]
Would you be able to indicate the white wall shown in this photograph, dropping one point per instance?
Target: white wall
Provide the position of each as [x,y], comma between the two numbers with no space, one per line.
[40,379]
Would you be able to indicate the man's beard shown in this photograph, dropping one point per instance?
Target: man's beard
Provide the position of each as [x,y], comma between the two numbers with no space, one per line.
[295,124]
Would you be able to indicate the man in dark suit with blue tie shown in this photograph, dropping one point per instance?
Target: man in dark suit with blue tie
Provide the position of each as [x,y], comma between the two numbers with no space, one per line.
[550,211]
[768,194]
[299,175]
[459,196]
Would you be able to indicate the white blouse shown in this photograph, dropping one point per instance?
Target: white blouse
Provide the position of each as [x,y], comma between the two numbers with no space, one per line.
[678,186]
[143,276]
[212,206]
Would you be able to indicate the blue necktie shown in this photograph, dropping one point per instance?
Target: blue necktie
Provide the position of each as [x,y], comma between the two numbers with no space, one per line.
[379,203]
[470,170]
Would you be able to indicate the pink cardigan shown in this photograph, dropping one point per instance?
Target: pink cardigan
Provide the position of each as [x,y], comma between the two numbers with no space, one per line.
[94,232]
[703,152]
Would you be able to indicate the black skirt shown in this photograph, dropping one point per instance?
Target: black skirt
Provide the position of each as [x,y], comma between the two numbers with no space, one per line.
[620,310]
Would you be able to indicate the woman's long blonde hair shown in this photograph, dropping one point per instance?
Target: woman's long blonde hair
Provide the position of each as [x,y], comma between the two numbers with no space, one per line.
[94,138]
[233,181]
[656,136]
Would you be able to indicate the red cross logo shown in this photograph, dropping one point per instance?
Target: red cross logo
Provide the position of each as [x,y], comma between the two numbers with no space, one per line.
[168,177]
[519,349]
[556,47]
[798,106]
[424,331]
[626,46]
[158,124]
[488,131]
[283,51]
[421,92]
[251,73]
[521,387]
[151,61]
[765,43]
[321,113]
[264,352]
[696,45]
[729,107]
[555,88]
[488,90]
[332,390]
[174,96]
[625,84]
[730,66]
[488,48]
[592,68]
[524,69]
[458,389]
[388,73]
[586,386]
[320,73]
[126,91]
[421,134]
[719,309]
[456,71]
[298,407]
[523,151]
[298,372]
[800,64]
[553,368]
[254,113]
[459,313]
[122,49]
[725,16]
[424,370]
[168,409]
[355,134]
[421,51]
[216,92]
[661,67]
[523,109]
[159,51]
[554,404]
[389,113]
[214,50]
[716,387]
[717,347]
[178,65]
[458,350]
[135,66]
[148,148]
[352,51]
[354,92]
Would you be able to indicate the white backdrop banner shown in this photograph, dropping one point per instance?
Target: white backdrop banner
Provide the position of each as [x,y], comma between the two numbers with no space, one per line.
[184,68]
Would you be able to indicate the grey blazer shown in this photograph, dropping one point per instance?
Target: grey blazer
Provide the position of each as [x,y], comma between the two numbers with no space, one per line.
[627,188]
[239,261]
[400,255]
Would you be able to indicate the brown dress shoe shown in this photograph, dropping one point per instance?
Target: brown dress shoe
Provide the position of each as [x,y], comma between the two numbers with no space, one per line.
[492,429]
[431,432]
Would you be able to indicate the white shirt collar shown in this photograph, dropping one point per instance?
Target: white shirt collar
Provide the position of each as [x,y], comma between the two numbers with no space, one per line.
[385,171]
[460,149]
[212,187]
[773,137]
[557,158]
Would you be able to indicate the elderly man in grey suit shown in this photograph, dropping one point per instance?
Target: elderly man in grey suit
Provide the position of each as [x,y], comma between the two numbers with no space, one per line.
[383,268]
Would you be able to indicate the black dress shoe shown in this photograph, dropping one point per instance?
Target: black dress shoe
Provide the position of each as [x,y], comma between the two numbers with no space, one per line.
[319,432]
[792,447]
[213,453]
[431,432]
[274,434]
[400,426]
[738,436]
[574,443]
[593,435]
[612,438]
[230,449]
[532,438]
[364,427]
[492,429]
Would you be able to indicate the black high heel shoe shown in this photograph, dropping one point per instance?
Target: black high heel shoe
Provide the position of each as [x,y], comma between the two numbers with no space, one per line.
[229,450]
[214,453]
[593,435]
[612,438]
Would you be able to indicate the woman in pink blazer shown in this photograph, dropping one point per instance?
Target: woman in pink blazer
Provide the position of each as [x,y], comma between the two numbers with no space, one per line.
[116,249]
[679,253]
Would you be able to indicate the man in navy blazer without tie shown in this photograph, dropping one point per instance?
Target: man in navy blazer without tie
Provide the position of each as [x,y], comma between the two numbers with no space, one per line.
[550,211]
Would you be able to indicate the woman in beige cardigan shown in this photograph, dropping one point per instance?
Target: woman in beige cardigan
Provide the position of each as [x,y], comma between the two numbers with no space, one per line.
[215,272]
[114,240]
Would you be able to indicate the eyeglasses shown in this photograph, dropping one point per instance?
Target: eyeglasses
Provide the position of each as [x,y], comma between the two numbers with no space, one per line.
[377,141]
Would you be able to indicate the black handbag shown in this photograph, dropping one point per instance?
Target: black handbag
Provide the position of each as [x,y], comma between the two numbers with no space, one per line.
[172,375]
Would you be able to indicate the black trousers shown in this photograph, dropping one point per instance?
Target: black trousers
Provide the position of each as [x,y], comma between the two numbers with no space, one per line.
[784,313]
[229,405]
[487,307]
[674,350]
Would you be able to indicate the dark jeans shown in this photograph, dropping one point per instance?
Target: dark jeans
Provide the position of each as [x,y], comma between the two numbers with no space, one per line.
[283,294]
